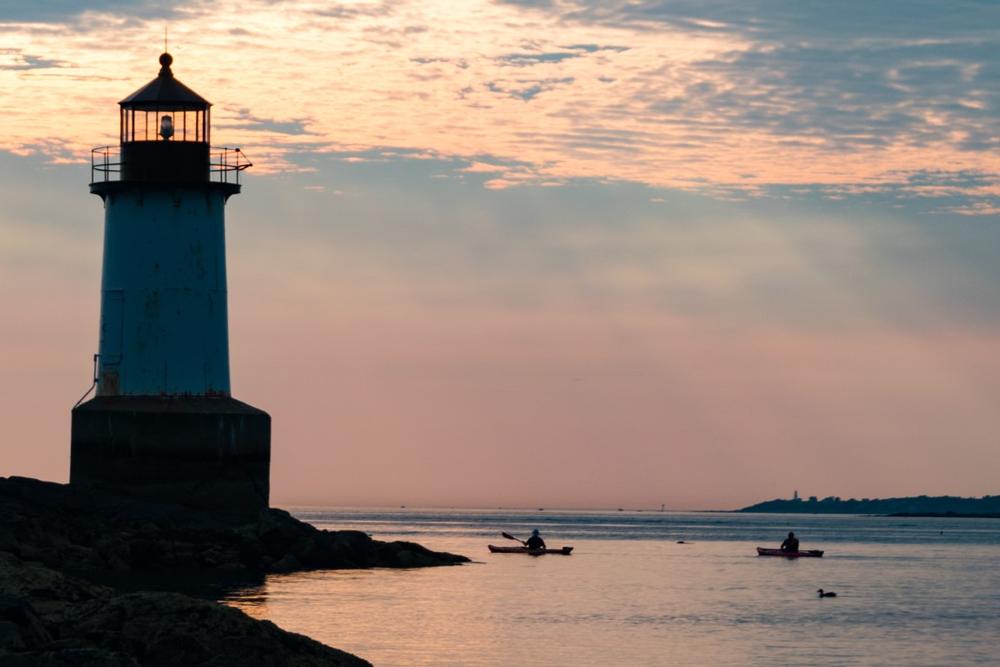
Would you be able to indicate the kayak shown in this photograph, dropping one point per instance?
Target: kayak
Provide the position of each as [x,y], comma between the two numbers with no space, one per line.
[813,553]
[565,551]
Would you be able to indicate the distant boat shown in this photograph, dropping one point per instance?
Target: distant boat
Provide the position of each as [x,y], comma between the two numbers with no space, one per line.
[811,553]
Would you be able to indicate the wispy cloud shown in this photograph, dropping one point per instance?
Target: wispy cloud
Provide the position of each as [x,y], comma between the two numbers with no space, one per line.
[594,48]
[247,121]
[355,10]
[719,96]
[17,60]
[974,209]
[528,59]
[62,11]
[528,89]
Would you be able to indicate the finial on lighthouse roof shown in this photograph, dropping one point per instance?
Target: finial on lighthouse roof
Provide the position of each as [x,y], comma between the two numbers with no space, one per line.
[165,60]
[165,91]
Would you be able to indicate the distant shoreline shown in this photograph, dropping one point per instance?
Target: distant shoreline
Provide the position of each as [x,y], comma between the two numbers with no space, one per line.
[913,506]
[946,515]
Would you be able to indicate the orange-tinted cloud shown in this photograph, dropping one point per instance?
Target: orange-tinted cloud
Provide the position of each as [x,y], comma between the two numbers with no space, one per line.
[670,96]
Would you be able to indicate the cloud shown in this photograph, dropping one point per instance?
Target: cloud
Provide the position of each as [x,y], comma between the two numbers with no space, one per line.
[17,60]
[975,209]
[789,20]
[535,87]
[56,11]
[540,58]
[594,48]
[850,96]
[734,98]
[247,121]
[528,59]
[484,168]
[840,79]
[969,193]
[352,10]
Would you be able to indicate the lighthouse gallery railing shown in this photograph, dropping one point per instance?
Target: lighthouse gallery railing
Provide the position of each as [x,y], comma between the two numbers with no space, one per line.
[225,164]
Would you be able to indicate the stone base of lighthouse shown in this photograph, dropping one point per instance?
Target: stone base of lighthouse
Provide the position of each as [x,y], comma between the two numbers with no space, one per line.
[210,453]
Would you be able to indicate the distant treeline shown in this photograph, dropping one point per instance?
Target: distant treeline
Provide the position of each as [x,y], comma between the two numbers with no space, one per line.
[911,505]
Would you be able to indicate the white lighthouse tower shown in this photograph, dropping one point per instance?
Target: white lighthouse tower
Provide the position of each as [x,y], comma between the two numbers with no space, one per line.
[163,424]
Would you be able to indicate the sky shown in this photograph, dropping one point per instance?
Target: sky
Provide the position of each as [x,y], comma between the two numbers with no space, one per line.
[547,253]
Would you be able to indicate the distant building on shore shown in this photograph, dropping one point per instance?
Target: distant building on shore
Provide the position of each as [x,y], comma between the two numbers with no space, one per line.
[163,424]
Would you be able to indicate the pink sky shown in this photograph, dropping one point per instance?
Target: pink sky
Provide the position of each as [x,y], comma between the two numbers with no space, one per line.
[492,255]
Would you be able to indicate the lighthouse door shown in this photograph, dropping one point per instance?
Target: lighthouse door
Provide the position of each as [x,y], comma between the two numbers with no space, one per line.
[112,323]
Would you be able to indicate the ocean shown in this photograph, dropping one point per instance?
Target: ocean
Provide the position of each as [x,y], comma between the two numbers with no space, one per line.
[909,591]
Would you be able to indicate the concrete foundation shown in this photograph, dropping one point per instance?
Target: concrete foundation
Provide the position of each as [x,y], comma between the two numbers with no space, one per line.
[209,453]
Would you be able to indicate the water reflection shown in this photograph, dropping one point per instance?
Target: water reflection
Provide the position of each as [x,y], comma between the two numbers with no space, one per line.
[653,602]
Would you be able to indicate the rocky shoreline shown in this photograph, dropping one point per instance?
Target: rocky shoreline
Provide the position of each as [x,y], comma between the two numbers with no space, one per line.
[99,580]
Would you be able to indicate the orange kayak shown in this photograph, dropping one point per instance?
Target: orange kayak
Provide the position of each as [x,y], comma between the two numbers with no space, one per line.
[813,553]
[565,551]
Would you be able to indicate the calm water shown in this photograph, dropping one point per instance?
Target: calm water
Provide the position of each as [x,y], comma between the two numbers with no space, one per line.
[911,591]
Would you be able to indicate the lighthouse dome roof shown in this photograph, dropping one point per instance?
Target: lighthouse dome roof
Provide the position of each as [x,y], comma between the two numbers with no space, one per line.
[165,91]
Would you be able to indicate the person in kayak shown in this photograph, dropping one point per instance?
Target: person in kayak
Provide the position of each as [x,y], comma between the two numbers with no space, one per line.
[535,541]
[791,543]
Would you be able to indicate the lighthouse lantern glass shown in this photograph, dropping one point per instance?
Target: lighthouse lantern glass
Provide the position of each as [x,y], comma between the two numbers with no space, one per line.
[163,123]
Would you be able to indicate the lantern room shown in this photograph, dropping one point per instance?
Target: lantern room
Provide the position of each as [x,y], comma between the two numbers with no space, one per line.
[165,128]
[165,110]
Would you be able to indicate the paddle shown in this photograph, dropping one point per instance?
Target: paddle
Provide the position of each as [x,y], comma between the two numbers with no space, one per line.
[511,537]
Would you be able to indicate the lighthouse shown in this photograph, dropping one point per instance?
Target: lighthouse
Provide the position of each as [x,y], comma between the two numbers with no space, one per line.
[163,424]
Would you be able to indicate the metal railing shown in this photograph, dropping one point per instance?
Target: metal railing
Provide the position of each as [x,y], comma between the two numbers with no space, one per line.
[230,162]
[105,164]
[224,164]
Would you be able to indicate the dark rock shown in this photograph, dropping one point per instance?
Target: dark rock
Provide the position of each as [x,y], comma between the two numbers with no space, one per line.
[287,563]
[91,579]
[97,536]
[168,629]
[20,627]
[84,657]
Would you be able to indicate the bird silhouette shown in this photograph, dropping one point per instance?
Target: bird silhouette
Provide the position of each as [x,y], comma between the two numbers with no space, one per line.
[827,594]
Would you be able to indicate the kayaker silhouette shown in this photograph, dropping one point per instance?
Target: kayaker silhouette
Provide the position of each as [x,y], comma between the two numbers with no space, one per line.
[791,543]
[535,541]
